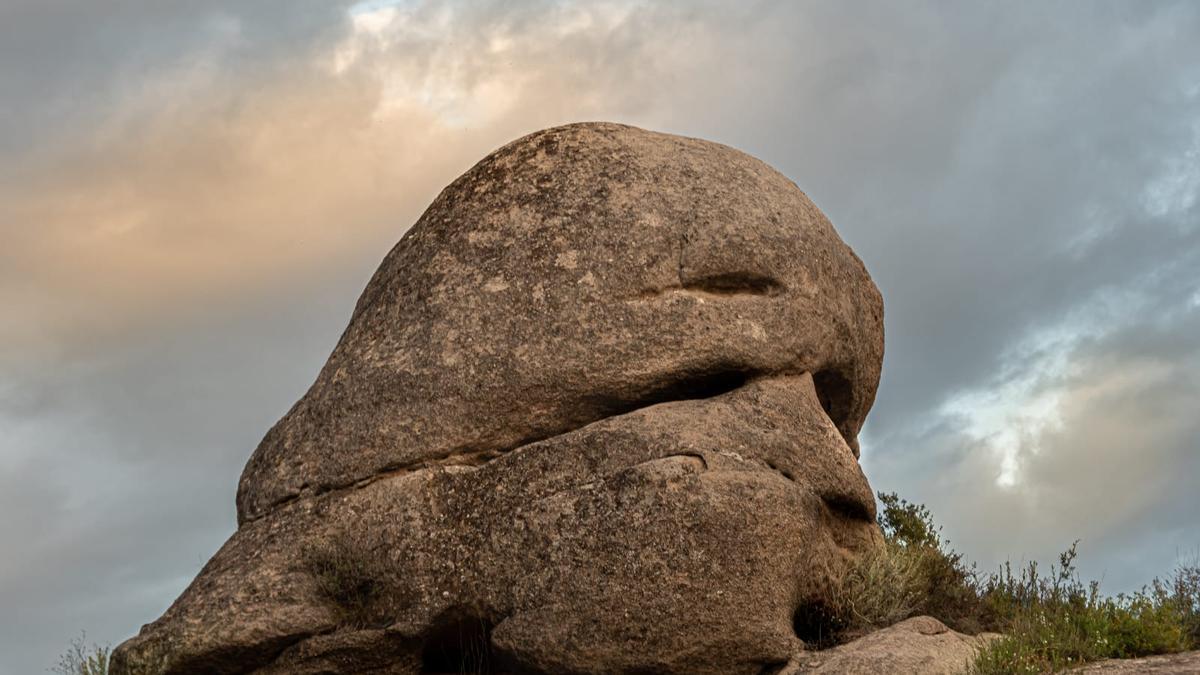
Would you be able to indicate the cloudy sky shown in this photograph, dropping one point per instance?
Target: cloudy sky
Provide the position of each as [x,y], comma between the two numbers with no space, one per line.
[192,194]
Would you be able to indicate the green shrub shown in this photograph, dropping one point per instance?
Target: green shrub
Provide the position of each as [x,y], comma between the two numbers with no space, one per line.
[1055,621]
[906,524]
[1050,621]
[83,660]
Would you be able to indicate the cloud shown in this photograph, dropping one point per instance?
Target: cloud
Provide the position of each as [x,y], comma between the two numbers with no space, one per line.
[224,174]
[191,198]
[1083,433]
[1117,472]
[234,184]
[176,267]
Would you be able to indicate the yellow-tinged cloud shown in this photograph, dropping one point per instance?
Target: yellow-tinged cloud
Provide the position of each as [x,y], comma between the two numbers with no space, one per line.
[207,185]
[199,201]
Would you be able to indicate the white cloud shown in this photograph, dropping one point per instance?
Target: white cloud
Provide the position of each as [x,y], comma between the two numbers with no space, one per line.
[1177,188]
[1022,403]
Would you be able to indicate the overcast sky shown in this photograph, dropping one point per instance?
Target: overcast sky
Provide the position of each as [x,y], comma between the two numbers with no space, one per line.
[192,195]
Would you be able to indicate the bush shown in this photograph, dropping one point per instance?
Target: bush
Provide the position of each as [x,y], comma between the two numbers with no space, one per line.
[915,572]
[83,660]
[909,525]
[1055,621]
[1051,621]
[1185,592]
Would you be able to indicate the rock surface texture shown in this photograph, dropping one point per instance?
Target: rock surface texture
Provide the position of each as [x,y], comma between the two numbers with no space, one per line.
[1186,663]
[918,646]
[595,413]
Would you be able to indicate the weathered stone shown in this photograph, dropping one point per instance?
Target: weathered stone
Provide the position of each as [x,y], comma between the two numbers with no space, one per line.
[596,413]
[1186,663]
[918,646]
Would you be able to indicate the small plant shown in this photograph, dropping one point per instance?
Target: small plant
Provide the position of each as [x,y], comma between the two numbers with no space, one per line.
[348,576]
[914,572]
[81,659]
[1185,592]
[906,524]
[879,589]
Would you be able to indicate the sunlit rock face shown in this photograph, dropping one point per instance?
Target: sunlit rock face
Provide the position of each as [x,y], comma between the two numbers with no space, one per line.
[595,413]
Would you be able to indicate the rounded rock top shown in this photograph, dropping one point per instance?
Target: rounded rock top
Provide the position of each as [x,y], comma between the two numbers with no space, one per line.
[576,271]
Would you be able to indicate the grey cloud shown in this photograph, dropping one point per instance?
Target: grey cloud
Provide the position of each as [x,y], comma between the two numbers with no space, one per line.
[119,481]
[1119,473]
[61,60]
[989,163]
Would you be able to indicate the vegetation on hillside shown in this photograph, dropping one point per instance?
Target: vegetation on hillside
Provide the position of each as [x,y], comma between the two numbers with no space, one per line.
[1054,621]
[1050,621]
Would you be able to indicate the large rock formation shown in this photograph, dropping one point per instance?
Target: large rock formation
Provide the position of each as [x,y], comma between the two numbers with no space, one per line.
[595,413]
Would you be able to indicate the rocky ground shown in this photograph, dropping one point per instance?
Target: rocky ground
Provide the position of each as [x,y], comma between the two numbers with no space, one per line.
[918,645]
[1167,664]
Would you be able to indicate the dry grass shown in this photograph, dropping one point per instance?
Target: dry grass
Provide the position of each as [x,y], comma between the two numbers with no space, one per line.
[881,588]
[349,576]
[915,572]
[81,659]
